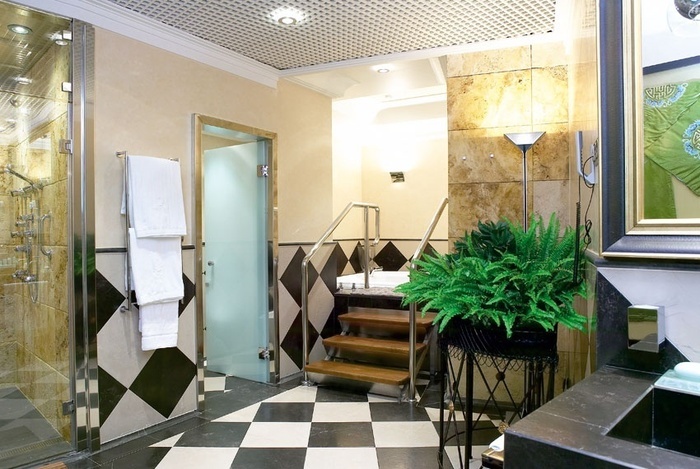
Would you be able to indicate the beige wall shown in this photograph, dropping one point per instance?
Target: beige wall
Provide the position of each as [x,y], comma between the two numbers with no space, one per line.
[364,154]
[144,102]
[407,208]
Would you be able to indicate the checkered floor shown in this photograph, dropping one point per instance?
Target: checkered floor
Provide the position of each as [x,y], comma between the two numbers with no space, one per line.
[250,425]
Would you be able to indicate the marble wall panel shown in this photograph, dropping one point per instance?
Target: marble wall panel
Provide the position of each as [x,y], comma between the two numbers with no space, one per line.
[470,203]
[550,155]
[500,60]
[550,95]
[489,100]
[552,197]
[484,155]
[549,55]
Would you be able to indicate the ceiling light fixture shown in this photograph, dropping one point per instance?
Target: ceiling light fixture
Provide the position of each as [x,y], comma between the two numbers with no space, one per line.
[287,16]
[383,68]
[23,80]
[19,29]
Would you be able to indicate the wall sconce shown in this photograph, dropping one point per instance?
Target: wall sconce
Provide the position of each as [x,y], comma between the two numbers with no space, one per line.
[397,176]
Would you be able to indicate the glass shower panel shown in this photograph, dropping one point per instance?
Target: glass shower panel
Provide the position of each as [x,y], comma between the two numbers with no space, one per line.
[35,61]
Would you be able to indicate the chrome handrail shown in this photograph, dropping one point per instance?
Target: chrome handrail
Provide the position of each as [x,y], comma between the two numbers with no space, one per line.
[305,270]
[412,306]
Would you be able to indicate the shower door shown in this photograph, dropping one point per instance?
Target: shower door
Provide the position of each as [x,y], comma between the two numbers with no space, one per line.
[235,260]
[35,374]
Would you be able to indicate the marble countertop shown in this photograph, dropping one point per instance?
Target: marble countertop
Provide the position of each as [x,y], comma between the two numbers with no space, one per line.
[570,430]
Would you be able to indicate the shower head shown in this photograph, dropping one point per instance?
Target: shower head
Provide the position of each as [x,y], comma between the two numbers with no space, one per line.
[34,185]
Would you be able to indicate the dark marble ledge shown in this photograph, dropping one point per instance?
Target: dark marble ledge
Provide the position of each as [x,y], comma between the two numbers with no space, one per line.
[575,423]
[372,291]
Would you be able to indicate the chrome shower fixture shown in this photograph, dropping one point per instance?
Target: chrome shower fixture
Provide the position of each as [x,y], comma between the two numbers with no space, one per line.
[32,185]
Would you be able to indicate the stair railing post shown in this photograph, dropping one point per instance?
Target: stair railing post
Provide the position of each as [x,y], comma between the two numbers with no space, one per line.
[305,274]
[412,307]
[366,212]
[305,318]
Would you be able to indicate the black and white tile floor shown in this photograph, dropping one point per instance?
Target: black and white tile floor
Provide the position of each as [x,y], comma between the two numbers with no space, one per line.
[250,425]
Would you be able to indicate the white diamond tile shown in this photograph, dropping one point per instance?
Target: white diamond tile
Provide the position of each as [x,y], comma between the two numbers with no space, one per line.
[129,415]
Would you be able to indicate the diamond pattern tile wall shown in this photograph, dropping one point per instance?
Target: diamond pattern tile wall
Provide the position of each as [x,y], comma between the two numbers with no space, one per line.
[154,381]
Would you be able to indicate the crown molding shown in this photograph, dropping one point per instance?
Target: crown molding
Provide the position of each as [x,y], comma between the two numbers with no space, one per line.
[106,15]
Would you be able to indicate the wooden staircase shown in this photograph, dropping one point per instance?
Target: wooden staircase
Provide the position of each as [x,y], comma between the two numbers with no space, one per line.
[372,351]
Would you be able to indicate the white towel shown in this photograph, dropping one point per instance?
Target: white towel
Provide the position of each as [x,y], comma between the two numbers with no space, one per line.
[156,269]
[158,325]
[156,203]
[498,444]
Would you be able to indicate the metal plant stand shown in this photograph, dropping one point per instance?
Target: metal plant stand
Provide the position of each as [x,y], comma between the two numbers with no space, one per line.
[468,348]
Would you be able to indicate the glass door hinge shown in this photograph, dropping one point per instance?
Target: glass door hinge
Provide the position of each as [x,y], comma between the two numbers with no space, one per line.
[65,146]
[263,170]
[68,407]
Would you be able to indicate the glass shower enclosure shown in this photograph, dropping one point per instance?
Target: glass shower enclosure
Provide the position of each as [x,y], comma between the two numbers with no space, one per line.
[35,72]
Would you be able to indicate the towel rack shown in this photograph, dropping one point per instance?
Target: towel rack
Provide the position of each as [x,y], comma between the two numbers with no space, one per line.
[124,155]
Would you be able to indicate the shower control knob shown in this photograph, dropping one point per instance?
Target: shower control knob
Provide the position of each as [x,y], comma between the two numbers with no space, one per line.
[16,234]
[23,248]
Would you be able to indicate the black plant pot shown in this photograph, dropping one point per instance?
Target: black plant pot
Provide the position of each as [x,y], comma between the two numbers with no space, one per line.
[523,344]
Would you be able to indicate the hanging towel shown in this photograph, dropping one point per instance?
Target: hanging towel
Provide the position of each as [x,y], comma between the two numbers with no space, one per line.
[156,269]
[498,444]
[158,325]
[156,203]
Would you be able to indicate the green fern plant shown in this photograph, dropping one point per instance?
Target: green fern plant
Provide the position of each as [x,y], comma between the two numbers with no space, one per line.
[502,275]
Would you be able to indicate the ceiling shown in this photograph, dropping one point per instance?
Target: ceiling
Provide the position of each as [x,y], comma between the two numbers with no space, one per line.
[337,45]
[331,31]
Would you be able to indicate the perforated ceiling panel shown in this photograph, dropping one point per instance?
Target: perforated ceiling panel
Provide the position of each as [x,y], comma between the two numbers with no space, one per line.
[338,30]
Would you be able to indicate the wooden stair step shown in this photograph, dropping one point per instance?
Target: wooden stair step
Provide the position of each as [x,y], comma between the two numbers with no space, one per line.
[369,344]
[385,317]
[358,372]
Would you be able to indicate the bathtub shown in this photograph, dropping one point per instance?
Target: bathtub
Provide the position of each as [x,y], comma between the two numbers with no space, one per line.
[377,279]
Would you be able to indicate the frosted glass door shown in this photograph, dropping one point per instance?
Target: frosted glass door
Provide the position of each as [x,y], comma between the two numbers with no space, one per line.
[235,261]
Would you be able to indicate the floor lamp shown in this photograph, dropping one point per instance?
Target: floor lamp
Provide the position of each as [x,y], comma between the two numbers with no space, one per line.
[524,141]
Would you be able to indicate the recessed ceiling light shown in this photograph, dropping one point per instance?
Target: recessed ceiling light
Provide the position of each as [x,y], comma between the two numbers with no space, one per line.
[287,16]
[383,68]
[61,38]
[19,29]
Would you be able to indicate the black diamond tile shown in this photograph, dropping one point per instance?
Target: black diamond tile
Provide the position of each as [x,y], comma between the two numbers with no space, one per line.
[108,299]
[285,412]
[329,273]
[332,325]
[164,379]
[340,258]
[292,342]
[269,458]
[147,457]
[324,394]
[390,258]
[396,412]
[215,434]
[341,434]
[410,458]
[111,391]
[189,293]
[291,278]
[355,258]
